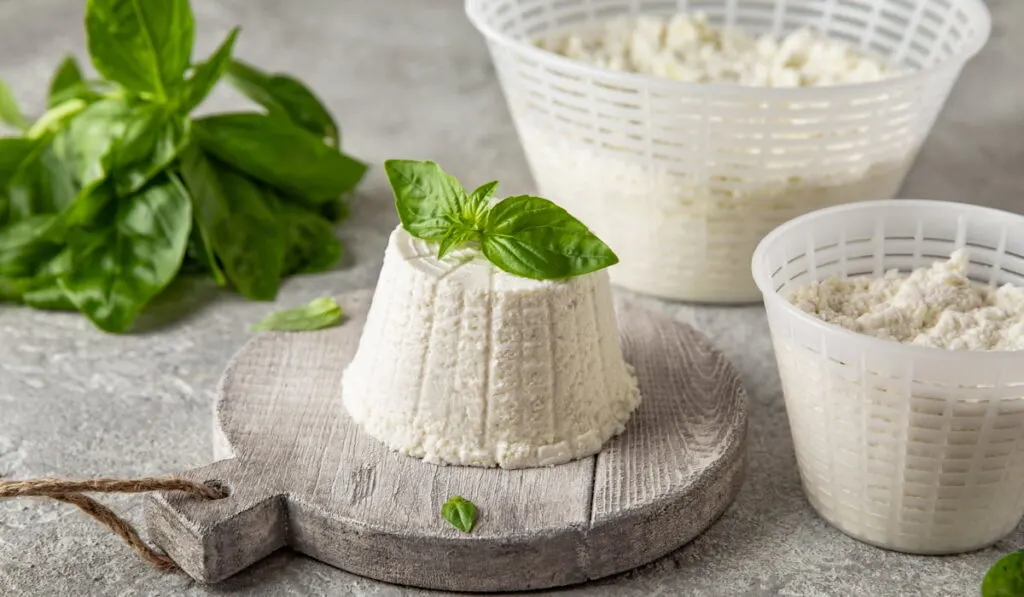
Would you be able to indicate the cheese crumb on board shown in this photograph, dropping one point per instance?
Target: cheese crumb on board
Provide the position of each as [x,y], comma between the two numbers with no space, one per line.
[934,306]
[688,48]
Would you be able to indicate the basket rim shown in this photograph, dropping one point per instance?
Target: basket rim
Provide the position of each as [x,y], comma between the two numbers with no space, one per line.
[871,343]
[475,15]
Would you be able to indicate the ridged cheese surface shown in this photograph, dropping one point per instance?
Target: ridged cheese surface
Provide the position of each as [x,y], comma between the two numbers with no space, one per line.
[461,363]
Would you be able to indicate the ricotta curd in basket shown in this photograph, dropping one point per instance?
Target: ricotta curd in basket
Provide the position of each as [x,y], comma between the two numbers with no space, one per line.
[683,184]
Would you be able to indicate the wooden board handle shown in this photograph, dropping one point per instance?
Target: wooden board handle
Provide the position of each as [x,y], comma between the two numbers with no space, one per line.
[212,540]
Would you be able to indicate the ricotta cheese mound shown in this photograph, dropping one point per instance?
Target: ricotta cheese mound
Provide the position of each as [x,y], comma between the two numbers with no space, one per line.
[461,363]
[933,306]
[686,47]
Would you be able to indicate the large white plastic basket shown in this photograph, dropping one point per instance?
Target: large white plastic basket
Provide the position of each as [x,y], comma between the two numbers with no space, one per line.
[907,447]
[683,179]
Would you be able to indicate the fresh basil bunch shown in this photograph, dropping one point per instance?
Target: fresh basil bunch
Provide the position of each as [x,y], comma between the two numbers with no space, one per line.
[116,188]
[523,235]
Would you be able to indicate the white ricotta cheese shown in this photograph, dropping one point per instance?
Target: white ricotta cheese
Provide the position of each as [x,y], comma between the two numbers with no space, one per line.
[933,306]
[688,48]
[460,363]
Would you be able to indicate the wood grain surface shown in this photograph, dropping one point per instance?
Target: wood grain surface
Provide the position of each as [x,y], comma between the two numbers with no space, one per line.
[303,475]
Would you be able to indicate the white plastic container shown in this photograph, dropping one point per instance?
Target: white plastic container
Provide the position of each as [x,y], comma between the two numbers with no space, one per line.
[683,179]
[911,448]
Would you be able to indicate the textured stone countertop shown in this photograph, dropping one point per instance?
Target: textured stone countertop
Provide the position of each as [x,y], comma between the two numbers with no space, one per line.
[412,79]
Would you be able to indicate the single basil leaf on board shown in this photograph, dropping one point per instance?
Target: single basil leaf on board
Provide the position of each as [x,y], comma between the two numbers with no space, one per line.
[311,245]
[429,200]
[460,512]
[279,153]
[532,237]
[10,113]
[118,265]
[237,219]
[152,139]
[145,46]
[67,79]
[206,74]
[1006,577]
[41,186]
[318,314]
[286,97]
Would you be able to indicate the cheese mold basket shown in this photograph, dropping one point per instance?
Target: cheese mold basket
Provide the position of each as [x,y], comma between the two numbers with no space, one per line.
[906,447]
[683,179]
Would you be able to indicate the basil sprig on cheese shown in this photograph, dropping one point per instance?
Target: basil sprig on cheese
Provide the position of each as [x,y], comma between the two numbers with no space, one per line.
[526,236]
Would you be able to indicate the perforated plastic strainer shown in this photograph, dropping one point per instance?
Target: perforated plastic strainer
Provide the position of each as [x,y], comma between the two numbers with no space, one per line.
[908,447]
[683,179]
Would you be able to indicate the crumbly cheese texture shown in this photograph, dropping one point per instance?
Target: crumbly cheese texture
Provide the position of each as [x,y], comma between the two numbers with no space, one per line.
[933,306]
[686,47]
[461,363]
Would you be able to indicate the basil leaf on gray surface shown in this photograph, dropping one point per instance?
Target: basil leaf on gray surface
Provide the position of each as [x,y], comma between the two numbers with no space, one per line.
[1006,577]
[119,264]
[318,314]
[285,97]
[280,154]
[460,512]
[40,186]
[237,219]
[145,46]
[206,74]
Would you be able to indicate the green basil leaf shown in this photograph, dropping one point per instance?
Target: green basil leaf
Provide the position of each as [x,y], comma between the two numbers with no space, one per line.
[532,237]
[13,153]
[66,80]
[237,218]
[318,314]
[1006,577]
[41,186]
[89,139]
[10,113]
[206,74]
[152,139]
[278,153]
[201,254]
[286,97]
[118,265]
[456,237]
[24,246]
[145,46]
[334,210]
[429,201]
[460,512]
[47,295]
[311,245]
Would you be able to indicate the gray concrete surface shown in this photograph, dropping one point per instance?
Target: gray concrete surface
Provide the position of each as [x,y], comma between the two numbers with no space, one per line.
[411,78]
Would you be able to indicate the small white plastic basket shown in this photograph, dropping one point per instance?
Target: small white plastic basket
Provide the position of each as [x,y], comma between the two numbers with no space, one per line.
[911,448]
[683,179]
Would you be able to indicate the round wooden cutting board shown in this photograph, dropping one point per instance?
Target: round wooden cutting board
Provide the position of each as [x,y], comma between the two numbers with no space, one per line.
[303,475]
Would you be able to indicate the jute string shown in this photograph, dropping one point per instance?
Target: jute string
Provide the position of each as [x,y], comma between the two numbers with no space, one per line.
[73,492]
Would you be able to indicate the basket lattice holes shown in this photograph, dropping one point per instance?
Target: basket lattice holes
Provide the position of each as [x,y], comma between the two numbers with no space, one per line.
[905,447]
[682,179]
